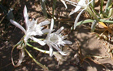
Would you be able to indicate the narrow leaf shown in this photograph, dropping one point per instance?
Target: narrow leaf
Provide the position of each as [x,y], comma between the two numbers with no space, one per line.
[93,25]
[44,8]
[84,21]
[106,21]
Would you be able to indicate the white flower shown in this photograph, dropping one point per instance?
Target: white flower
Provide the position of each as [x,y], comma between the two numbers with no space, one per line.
[55,40]
[81,4]
[32,28]
[64,3]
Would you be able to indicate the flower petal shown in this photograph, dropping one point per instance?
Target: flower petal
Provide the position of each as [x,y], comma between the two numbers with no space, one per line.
[76,20]
[59,30]
[75,10]
[50,50]
[67,42]
[44,22]
[52,24]
[89,2]
[26,16]
[81,3]
[17,25]
[51,27]
[59,50]
[62,53]
[39,41]
[64,3]
[45,31]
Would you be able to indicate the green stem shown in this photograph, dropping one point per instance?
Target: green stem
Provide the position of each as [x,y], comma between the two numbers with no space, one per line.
[43,66]
[43,51]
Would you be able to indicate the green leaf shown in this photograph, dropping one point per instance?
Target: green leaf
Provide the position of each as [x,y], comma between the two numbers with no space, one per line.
[54,5]
[93,25]
[93,3]
[84,21]
[106,21]
[110,12]
[107,5]
[44,8]
[101,6]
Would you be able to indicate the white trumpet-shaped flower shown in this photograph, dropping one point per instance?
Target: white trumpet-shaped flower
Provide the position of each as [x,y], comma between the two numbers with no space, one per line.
[81,4]
[55,40]
[32,28]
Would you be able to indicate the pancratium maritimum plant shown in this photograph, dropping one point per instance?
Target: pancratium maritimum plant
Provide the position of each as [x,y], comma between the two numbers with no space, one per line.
[84,4]
[55,39]
[32,28]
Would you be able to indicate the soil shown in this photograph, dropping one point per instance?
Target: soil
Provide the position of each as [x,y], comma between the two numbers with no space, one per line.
[87,53]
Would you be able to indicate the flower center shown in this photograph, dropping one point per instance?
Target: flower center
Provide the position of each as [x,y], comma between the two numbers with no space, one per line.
[54,38]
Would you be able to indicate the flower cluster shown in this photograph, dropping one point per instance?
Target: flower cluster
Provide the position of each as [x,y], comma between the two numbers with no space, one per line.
[53,39]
